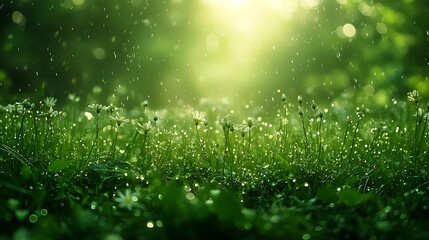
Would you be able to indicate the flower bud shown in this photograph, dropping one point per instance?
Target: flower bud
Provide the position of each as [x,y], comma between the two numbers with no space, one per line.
[299,99]
[313,105]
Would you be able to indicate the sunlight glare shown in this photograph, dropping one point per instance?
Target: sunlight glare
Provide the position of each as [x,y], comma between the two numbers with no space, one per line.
[239,33]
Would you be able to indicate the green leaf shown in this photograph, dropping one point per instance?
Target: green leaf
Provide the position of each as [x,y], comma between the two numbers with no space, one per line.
[21,214]
[26,172]
[227,207]
[351,180]
[57,165]
[13,203]
[327,194]
[352,197]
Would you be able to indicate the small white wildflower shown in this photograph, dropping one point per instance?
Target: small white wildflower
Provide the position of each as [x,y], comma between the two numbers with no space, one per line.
[88,115]
[313,105]
[198,117]
[145,103]
[111,109]
[244,130]
[285,121]
[97,107]
[414,96]
[118,119]
[300,99]
[50,102]
[144,128]
[128,200]
[73,97]
[249,123]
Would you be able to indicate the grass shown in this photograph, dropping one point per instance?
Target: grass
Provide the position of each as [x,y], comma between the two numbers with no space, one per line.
[309,173]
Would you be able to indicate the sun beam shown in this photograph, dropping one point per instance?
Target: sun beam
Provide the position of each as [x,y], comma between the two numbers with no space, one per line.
[237,34]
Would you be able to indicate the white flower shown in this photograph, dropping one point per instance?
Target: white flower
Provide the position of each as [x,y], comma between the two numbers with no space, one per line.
[128,200]
[144,128]
[118,119]
[244,130]
[198,117]
[414,96]
[50,102]
[97,107]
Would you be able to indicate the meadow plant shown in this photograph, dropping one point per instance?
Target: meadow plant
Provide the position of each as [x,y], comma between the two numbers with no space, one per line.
[155,119]
[228,155]
[359,115]
[284,123]
[27,108]
[72,110]
[128,200]
[343,142]
[198,117]
[49,114]
[144,106]
[117,121]
[319,117]
[97,108]
[144,129]
[249,125]
[301,115]
[238,178]
[421,118]
[317,125]
[225,123]
[423,134]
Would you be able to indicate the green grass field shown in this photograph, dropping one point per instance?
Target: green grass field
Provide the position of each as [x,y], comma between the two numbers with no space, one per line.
[296,171]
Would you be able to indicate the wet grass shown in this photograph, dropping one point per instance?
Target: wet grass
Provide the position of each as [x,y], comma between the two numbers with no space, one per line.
[309,172]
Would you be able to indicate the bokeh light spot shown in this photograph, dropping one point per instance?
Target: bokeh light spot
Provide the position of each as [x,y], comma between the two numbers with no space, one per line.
[369,90]
[33,218]
[19,18]
[150,224]
[78,2]
[365,9]
[308,4]
[381,28]
[349,30]
[99,53]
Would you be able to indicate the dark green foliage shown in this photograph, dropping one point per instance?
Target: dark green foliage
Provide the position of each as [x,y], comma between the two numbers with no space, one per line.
[360,179]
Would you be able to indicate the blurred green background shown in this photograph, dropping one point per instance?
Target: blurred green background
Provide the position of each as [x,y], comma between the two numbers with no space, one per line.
[179,51]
